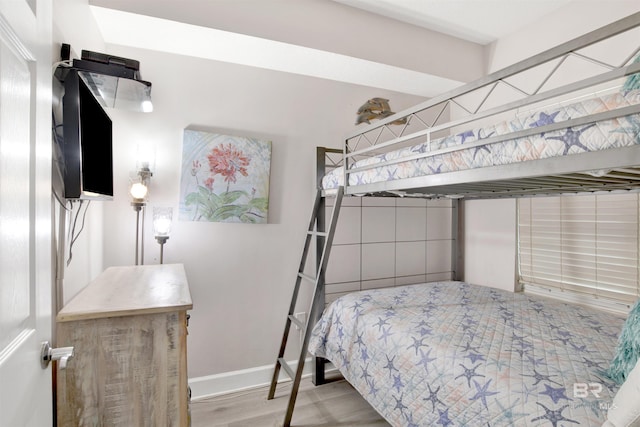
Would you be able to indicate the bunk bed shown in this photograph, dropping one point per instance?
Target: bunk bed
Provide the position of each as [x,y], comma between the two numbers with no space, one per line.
[451,353]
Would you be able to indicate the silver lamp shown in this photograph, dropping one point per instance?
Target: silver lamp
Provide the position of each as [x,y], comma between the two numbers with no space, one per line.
[139,189]
[162,227]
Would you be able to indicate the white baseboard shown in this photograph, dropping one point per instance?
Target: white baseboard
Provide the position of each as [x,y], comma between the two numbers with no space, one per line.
[245,379]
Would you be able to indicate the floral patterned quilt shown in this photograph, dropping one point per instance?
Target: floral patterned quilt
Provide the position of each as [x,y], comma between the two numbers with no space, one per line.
[456,354]
[602,135]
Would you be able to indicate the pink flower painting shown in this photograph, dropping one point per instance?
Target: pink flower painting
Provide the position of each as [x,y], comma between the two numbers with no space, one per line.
[234,187]
[228,161]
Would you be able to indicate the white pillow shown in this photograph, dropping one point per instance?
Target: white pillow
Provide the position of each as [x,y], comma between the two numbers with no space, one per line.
[625,409]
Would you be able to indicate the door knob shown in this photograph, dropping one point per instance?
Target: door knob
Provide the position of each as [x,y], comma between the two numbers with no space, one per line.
[61,355]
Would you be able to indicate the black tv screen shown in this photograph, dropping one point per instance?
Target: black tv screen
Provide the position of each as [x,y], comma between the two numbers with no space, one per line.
[87,147]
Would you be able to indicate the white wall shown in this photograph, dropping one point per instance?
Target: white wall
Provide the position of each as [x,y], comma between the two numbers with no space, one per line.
[571,21]
[74,24]
[489,243]
[490,233]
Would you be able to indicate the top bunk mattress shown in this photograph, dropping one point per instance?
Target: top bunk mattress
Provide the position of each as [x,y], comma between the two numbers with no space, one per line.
[449,154]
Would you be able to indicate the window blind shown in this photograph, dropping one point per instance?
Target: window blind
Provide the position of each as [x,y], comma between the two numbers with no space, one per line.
[581,247]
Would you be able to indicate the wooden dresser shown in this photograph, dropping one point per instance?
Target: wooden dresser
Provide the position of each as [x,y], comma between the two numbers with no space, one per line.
[129,331]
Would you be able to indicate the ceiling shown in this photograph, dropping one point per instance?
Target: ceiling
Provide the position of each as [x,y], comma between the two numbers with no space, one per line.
[478,21]
[352,41]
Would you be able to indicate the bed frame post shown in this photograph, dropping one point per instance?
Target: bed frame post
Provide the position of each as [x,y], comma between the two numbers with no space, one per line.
[456,221]
[323,161]
[318,363]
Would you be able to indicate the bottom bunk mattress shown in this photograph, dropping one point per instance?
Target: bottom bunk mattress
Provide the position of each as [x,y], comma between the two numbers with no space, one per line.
[456,354]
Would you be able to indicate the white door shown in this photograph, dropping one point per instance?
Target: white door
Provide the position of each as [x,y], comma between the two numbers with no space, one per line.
[25,211]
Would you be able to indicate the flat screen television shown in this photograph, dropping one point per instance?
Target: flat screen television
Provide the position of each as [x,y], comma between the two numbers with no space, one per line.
[86,143]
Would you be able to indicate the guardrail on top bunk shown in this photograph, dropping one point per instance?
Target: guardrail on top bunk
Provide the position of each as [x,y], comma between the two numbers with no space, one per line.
[472,103]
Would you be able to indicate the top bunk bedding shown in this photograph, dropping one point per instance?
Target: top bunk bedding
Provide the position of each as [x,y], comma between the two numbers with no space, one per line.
[565,120]
[449,154]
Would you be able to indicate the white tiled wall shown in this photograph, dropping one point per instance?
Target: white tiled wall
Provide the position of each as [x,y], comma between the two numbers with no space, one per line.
[385,241]
[378,260]
[411,224]
[410,258]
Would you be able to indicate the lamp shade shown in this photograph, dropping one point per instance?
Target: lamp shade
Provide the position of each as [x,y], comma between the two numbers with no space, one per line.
[119,92]
[162,221]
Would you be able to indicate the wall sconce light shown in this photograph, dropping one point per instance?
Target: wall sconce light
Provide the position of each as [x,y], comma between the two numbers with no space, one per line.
[139,189]
[162,227]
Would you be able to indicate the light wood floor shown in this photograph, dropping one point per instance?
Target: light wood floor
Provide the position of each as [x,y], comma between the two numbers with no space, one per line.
[328,405]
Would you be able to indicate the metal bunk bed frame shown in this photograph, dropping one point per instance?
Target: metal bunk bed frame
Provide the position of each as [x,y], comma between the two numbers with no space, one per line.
[537,177]
[555,175]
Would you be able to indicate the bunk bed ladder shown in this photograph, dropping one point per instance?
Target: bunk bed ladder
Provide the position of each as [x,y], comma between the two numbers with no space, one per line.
[324,240]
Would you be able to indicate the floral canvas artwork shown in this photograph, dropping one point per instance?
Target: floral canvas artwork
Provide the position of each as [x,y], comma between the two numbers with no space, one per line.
[224,178]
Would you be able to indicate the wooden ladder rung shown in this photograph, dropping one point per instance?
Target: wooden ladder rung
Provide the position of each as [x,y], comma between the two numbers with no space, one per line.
[317,233]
